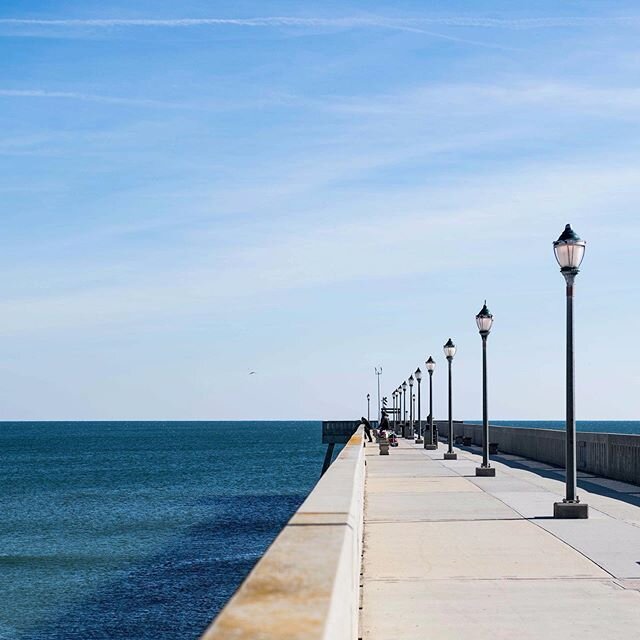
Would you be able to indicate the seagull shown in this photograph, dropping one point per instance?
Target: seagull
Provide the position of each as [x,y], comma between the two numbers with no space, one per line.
[252,373]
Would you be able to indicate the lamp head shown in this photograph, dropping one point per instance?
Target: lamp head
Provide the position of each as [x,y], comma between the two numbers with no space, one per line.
[484,320]
[449,349]
[430,364]
[569,250]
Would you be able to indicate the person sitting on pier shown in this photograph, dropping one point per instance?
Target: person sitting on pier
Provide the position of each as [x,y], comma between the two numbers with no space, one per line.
[367,428]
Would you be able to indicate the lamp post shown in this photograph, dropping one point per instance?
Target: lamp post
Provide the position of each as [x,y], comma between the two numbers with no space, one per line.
[569,250]
[419,439]
[393,405]
[413,406]
[432,444]
[399,423]
[368,406]
[404,411]
[410,407]
[449,352]
[484,320]
[378,371]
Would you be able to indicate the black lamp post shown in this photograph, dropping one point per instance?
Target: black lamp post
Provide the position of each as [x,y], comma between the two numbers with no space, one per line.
[378,371]
[368,406]
[393,413]
[399,425]
[432,444]
[449,352]
[569,250]
[419,439]
[410,407]
[484,320]
[413,407]
[404,411]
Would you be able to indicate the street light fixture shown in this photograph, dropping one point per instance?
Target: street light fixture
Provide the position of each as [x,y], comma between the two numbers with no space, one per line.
[419,439]
[432,444]
[368,406]
[569,250]
[449,352]
[484,320]
[404,412]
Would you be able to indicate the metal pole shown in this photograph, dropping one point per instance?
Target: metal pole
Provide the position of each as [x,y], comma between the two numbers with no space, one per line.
[450,454]
[411,411]
[485,410]
[571,492]
[378,374]
[431,432]
[450,450]
[368,407]
[485,469]
[419,413]
[404,410]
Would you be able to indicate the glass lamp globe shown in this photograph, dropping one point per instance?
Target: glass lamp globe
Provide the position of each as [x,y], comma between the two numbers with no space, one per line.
[449,349]
[430,364]
[404,385]
[418,374]
[484,319]
[569,250]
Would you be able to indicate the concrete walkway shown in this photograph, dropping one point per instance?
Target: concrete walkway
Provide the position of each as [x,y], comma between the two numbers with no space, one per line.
[449,555]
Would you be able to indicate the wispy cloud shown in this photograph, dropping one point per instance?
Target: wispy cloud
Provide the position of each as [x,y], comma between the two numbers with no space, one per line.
[320,253]
[267,99]
[472,98]
[348,22]
[89,97]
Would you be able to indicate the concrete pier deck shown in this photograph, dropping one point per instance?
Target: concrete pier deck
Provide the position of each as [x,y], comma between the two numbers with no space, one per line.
[449,555]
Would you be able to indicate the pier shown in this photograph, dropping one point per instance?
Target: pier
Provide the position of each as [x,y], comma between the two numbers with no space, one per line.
[411,546]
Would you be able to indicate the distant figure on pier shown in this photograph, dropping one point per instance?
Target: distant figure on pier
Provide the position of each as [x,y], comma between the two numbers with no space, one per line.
[367,427]
[384,422]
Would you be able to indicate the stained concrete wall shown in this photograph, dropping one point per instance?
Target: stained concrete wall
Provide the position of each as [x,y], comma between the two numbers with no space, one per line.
[339,431]
[306,586]
[611,455]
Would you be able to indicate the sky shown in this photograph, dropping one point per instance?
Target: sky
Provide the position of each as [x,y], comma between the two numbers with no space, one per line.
[193,191]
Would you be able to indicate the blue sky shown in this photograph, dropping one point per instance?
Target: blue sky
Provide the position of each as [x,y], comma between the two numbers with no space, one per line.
[191,191]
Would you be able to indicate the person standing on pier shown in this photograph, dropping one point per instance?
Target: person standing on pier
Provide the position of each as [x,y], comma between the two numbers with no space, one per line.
[367,428]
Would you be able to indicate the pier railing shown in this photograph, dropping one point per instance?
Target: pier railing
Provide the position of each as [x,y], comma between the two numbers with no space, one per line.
[306,586]
[611,455]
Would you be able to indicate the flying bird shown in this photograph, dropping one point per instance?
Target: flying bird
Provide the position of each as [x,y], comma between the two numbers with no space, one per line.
[252,373]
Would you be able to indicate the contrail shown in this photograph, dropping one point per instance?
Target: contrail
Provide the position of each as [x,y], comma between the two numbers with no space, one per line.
[347,22]
[88,97]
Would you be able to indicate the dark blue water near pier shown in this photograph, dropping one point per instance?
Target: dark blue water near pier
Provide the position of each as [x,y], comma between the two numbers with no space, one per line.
[140,530]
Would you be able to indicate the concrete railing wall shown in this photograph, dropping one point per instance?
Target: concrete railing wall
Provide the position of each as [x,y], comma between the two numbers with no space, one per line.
[306,586]
[610,455]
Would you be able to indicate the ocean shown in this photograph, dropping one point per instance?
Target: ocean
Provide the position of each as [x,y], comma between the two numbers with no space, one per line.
[140,530]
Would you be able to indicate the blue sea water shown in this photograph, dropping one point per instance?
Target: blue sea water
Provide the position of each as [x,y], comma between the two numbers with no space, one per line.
[597,426]
[140,530]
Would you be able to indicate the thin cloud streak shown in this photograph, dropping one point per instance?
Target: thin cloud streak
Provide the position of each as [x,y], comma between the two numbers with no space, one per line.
[89,97]
[345,23]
